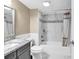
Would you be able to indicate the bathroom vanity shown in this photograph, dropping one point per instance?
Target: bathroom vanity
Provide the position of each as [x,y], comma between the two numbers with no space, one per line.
[20,51]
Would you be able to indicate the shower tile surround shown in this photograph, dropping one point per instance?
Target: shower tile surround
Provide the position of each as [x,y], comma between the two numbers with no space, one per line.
[54,18]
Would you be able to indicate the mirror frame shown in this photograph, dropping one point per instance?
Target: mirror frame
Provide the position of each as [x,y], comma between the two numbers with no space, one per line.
[13,19]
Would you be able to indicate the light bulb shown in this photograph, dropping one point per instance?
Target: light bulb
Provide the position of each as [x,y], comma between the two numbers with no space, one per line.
[46,3]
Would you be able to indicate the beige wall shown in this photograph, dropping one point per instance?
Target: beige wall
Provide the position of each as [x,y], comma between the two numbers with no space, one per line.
[34,20]
[26,20]
[22,20]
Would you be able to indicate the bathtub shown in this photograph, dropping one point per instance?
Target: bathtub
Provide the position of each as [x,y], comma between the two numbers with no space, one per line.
[55,50]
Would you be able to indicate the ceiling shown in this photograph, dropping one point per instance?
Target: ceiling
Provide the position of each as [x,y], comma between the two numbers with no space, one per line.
[56,5]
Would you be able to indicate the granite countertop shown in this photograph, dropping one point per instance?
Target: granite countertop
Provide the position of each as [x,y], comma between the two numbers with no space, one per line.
[14,44]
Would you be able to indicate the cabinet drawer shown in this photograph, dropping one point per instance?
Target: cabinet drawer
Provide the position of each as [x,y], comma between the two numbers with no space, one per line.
[23,48]
[11,56]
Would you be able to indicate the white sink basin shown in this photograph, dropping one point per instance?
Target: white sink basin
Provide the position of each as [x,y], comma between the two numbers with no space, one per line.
[18,41]
[9,46]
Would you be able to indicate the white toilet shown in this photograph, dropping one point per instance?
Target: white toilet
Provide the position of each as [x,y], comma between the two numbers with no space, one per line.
[36,50]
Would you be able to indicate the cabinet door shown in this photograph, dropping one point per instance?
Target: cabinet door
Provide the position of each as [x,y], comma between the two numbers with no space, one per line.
[25,55]
[11,56]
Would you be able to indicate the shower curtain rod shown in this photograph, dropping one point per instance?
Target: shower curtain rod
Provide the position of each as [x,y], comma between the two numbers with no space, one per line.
[55,11]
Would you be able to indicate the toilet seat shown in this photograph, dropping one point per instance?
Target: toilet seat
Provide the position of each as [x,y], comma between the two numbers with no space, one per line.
[36,49]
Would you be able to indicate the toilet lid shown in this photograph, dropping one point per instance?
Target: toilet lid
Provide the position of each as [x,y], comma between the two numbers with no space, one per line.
[36,48]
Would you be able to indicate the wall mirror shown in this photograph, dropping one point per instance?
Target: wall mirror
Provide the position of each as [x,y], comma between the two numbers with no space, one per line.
[9,23]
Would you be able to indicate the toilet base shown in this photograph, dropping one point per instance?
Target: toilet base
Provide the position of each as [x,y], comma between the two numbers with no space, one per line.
[37,56]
